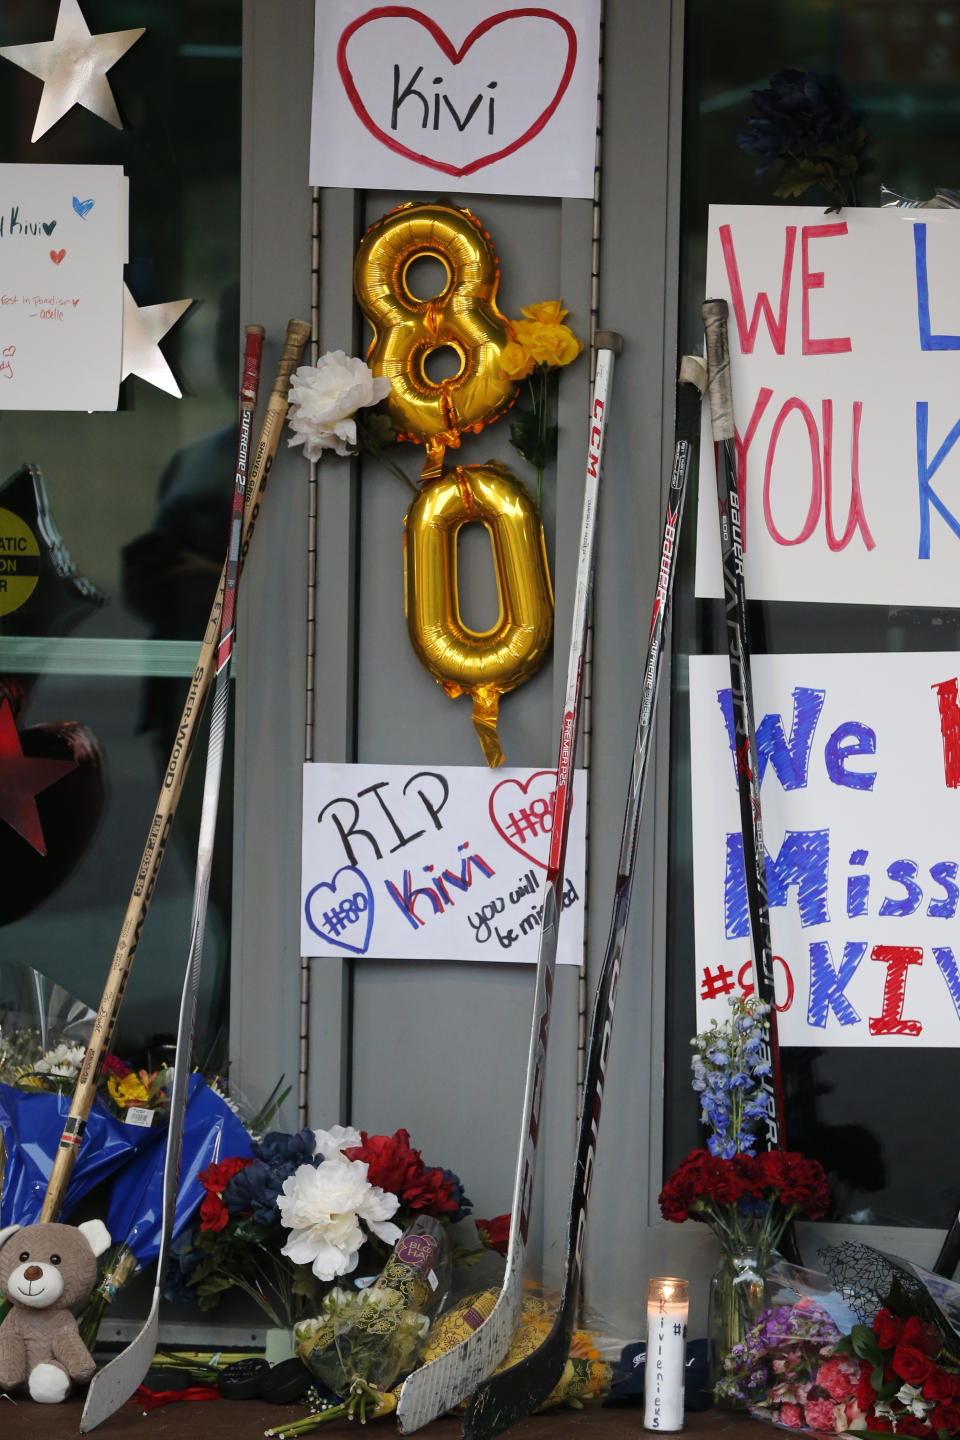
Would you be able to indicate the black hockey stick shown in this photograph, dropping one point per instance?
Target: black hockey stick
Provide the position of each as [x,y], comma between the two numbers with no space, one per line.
[949,1257]
[510,1395]
[720,389]
[444,1382]
[113,1386]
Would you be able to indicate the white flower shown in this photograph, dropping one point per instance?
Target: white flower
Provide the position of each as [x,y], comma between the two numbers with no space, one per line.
[330,1143]
[322,1207]
[63,1062]
[324,399]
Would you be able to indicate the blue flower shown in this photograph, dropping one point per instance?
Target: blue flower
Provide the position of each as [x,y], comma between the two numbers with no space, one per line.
[464,1205]
[255,1189]
[285,1152]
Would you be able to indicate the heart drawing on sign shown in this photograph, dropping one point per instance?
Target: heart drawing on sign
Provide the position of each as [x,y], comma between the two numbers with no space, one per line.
[522,812]
[48,226]
[349,910]
[82,207]
[57,255]
[454,55]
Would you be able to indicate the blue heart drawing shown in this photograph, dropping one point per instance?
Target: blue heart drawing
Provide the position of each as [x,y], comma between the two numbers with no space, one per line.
[48,226]
[82,207]
[357,903]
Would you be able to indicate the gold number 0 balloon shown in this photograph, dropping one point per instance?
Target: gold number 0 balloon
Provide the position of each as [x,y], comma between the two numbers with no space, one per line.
[482,663]
[407,330]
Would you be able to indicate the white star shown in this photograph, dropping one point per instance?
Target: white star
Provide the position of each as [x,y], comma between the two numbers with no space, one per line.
[73,67]
[142,329]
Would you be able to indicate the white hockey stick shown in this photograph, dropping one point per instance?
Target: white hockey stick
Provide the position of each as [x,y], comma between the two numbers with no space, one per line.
[444,1382]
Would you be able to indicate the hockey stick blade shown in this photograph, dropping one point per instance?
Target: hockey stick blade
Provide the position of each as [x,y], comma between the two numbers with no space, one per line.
[450,1378]
[510,1395]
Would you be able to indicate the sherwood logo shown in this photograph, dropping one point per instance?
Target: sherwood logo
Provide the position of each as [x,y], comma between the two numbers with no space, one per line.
[183,736]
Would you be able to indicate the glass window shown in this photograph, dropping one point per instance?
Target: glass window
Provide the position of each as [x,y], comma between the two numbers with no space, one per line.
[95,669]
[862,1113]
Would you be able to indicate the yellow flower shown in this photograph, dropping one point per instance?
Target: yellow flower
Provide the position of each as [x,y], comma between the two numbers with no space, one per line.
[548,344]
[547,312]
[515,361]
[131,1090]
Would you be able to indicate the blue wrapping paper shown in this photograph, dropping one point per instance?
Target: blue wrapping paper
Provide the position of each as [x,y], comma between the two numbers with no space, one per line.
[31,1125]
[211,1133]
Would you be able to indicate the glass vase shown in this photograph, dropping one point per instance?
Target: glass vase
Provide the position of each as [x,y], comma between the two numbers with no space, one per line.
[738,1297]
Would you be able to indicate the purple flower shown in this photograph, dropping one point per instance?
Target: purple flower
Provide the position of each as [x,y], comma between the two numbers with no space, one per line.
[255,1189]
[464,1204]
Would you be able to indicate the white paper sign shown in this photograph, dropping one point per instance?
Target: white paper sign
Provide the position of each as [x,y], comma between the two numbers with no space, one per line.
[63,245]
[434,863]
[845,359]
[860,767]
[458,95]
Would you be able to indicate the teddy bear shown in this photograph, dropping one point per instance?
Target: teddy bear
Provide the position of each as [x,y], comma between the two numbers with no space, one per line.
[45,1269]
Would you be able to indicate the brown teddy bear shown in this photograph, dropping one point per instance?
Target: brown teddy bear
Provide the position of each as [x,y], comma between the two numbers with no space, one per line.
[46,1269]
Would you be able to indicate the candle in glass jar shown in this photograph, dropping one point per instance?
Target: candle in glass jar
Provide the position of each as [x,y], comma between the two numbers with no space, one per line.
[668,1304]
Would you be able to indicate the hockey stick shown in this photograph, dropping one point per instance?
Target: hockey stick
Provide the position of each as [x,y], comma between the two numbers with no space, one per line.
[298,332]
[113,1386]
[949,1257]
[738,642]
[444,1382]
[508,1396]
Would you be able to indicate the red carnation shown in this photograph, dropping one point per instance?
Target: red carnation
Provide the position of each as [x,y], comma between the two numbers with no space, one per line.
[113,1065]
[432,1193]
[391,1162]
[888,1329]
[214,1178]
[495,1232]
[213,1213]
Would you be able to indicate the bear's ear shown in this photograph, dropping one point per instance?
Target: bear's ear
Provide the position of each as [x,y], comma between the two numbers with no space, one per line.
[6,1232]
[96,1235]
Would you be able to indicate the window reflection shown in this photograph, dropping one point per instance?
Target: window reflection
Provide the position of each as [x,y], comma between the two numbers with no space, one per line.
[866,1115]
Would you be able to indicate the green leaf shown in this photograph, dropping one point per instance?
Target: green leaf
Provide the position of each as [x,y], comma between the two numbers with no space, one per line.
[865,1344]
[887,1391]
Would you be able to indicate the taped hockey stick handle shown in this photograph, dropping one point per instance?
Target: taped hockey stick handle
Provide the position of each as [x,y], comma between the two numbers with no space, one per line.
[85,1090]
[691,383]
[252,353]
[714,314]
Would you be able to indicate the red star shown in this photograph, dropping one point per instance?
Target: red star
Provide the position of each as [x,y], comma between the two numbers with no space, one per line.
[21,778]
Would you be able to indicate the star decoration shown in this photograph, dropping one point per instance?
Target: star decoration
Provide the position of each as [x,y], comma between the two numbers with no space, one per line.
[73,67]
[21,779]
[143,327]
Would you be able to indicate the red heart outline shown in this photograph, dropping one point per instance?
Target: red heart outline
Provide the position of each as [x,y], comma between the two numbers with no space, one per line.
[524,787]
[405,12]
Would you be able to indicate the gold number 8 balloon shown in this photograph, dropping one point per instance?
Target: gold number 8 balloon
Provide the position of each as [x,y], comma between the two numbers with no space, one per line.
[407,331]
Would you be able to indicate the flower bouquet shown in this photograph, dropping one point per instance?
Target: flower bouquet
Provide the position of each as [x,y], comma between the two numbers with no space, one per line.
[541,345]
[302,1211]
[809,1363]
[748,1200]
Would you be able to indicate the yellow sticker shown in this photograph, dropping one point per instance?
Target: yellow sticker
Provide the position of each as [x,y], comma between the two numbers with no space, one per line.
[19,562]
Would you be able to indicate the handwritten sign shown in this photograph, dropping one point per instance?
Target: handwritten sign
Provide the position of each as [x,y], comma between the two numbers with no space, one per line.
[845,359]
[459,94]
[63,245]
[859,759]
[428,863]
